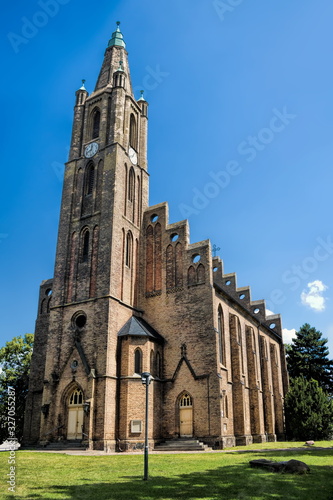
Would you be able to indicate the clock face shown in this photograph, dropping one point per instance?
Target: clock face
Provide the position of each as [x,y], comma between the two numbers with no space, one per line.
[91,150]
[133,156]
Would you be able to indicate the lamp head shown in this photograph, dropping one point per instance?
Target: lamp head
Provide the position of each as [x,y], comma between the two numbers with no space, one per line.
[146,378]
[86,407]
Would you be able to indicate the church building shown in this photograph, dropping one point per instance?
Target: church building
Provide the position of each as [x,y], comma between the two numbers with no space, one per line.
[131,294]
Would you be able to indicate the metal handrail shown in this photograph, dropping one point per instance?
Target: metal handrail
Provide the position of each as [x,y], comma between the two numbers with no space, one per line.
[84,434]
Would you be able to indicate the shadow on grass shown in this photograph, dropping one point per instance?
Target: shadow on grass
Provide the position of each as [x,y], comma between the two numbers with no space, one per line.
[229,482]
[311,452]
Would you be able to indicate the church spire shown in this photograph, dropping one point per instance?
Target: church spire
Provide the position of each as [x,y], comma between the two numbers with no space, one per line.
[115,61]
[117,38]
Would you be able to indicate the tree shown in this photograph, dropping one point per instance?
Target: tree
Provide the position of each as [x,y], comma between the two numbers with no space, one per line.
[307,357]
[308,410]
[15,359]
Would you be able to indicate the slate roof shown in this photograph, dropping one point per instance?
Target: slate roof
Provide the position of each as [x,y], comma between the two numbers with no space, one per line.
[138,327]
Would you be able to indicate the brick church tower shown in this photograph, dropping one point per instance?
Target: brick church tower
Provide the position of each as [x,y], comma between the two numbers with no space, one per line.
[131,294]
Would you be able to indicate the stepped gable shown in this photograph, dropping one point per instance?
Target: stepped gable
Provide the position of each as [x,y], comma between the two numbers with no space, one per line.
[242,295]
[194,265]
[160,213]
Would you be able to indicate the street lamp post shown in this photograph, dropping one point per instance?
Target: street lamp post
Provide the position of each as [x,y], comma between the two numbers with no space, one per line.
[146,379]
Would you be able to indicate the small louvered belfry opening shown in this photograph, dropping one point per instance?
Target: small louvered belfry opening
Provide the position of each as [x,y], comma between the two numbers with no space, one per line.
[90,179]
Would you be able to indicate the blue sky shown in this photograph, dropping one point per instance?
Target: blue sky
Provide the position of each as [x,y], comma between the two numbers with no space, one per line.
[240,137]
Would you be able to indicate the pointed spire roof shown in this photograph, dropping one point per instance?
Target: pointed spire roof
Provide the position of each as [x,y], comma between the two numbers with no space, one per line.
[138,327]
[117,38]
[83,87]
[142,96]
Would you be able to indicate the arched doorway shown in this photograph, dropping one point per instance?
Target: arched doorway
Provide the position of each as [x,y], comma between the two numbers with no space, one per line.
[75,415]
[185,416]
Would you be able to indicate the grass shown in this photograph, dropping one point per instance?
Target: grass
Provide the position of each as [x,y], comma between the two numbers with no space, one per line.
[207,476]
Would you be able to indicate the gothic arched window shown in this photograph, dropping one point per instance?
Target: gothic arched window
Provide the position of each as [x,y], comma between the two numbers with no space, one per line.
[85,247]
[220,328]
[158,365]
[240,343]
[76,398]
[201,273]
[138,361]
[90,179]
[152,359]
[191,276]
[185,400]
[129,249]
[131,185]
[133,132]
[96,119]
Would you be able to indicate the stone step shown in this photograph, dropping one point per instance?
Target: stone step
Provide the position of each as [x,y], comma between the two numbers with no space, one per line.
[182,445]
[65,445]
[198,445]
[181,448]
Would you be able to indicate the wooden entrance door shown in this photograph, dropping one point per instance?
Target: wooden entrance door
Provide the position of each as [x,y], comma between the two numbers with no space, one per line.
[185,416]
[75,415]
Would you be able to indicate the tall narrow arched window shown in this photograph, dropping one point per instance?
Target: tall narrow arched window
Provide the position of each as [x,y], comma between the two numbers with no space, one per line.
[157,256]
[152,367]
[149,259]
[133,132]
[85,247]
[158,365]
[170,267]
[274,355]
[96,119]
[179,265]
[240,342]
[220,328]
[191,276]
[94,260]
[90,179]
[201,274]
[138,200]
[129,249]
[131,185]
[126,190]
[72,267]
[138,361]
[42,306]
[254,348]
[265,350]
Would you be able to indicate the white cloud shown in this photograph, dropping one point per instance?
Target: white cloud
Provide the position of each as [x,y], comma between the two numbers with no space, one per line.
[313,298]
[288,335]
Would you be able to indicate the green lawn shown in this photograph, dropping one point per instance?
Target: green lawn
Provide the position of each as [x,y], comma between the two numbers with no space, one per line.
[205,476]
